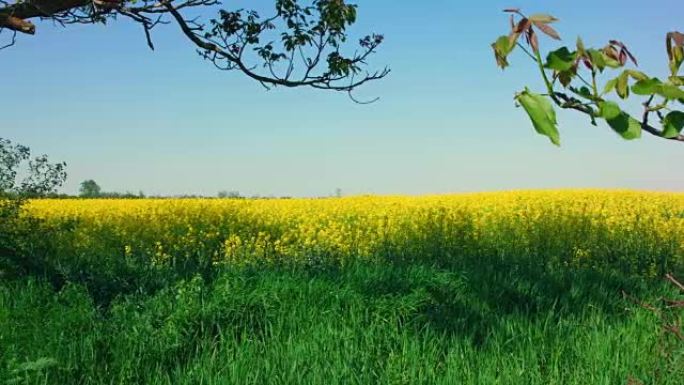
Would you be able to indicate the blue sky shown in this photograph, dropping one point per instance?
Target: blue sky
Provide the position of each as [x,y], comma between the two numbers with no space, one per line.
[166,122]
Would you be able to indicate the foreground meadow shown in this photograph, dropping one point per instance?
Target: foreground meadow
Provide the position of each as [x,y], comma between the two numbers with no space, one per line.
[509,288]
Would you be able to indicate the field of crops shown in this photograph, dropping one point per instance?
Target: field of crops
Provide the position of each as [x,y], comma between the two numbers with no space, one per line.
[639,232]
[515,287]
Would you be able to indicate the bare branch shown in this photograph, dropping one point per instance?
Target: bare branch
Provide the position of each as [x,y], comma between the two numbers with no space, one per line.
[13,40]
[672,279]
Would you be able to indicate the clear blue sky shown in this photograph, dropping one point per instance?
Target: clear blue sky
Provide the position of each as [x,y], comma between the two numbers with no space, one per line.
[166,122]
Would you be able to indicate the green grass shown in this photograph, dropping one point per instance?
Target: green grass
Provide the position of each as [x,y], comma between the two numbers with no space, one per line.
[474,322]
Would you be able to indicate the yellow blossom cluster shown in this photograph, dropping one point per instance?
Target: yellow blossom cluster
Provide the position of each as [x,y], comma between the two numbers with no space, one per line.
[642,231]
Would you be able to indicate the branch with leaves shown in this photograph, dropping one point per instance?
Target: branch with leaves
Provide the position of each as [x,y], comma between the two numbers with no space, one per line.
[571,77]
[41,176]
[299,45]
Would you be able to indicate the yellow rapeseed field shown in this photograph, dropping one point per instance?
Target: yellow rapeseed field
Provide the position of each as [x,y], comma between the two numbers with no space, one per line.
[640,231]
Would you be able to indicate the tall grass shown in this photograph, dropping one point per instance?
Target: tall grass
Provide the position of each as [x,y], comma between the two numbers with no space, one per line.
[360,325]
[481,290]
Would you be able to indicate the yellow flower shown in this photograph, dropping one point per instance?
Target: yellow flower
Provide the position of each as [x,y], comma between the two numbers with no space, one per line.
[579,225]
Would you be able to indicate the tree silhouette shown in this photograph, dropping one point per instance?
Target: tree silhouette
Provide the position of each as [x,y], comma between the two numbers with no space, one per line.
[297,46]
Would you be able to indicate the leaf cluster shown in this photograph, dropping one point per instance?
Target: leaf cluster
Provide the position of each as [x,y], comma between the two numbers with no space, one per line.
[572,74]
[40,177]
[301,44]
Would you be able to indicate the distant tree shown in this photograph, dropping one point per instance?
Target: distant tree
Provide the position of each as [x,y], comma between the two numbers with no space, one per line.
[571,76]
[229,194]
[90,189]
[338,192]
[299,45]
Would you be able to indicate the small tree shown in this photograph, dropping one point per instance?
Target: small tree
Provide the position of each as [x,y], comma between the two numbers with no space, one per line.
[571,76]
[21,241]
[40,176]
[89,189]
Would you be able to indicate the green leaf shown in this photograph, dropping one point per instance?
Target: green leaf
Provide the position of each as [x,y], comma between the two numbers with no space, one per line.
[609,110]
[675,53]
[561,59]
[541,113]
[622,85]
[597,58]
[581,50]
[677,80]
[647,87]
[502,48]
[620,121]
[670,91]
[583,91]
[610,86]
[610,62]
[605,60]
[673,124]
[637,75]
[565,77]
[37,365]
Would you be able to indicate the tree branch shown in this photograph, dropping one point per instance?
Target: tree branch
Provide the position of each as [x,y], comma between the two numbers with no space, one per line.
[652,130]
[316,32]
[231,53]
[14,16]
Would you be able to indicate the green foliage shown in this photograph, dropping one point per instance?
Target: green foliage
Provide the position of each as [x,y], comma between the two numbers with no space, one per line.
[647,87]
[41,176]
[469,323]
[23,239]
[541,113]
[314,32]
[673,123]
[671,91]
[301,43]
[561,60]
[89,189]
[620,121]
[579,71]
[434,303]
[502,48]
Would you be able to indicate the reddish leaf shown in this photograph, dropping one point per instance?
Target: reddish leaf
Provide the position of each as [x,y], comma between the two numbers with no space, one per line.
[623,57]
[674,37]
[547,29]
[624,51]
[532,40]
[631,57]
[523,25]
[677,37]
[611,52]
